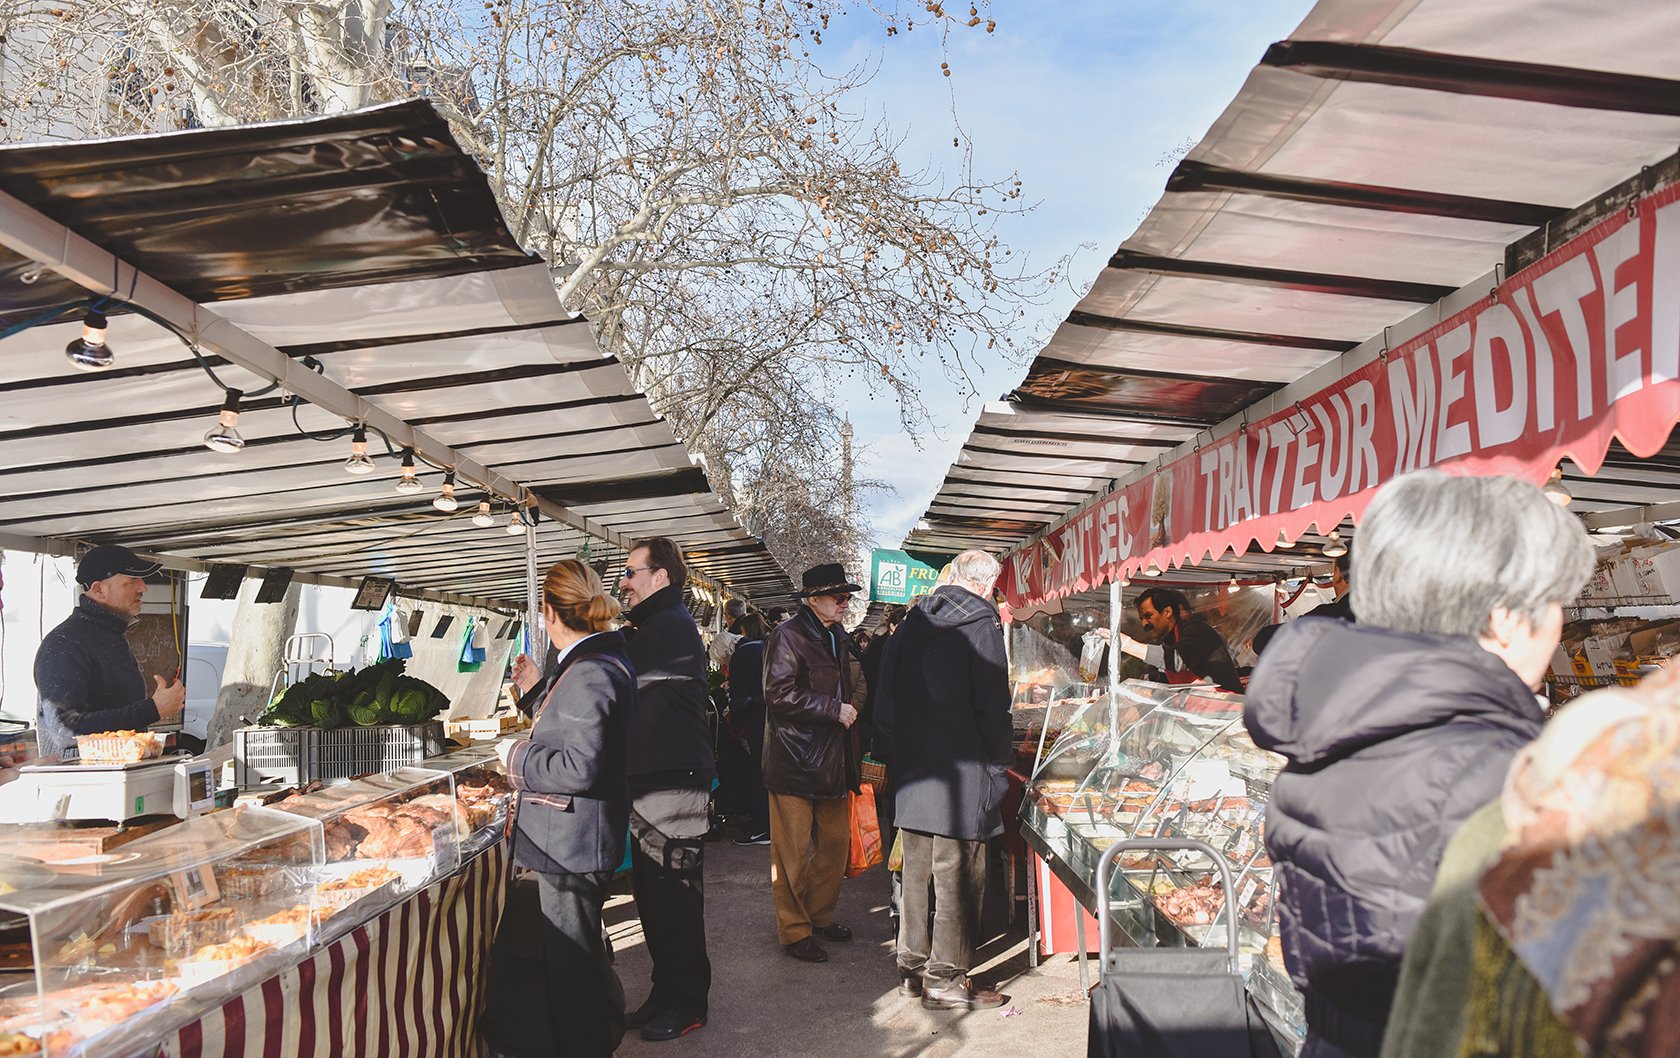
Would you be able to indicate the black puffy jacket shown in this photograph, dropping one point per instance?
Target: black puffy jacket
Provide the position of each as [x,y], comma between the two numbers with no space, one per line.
[1392,739]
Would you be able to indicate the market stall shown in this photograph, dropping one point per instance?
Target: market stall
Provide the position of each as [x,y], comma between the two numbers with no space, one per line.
[346,900]
[1423,235]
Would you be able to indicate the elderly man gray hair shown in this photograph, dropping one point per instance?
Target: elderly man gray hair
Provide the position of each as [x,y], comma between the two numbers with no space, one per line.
[976,571]
[1398,728]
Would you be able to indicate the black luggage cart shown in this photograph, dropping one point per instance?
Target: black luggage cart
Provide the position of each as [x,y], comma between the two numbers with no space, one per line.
[1172,1002]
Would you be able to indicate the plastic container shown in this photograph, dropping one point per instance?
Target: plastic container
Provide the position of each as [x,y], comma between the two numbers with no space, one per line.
[272,755]
[349,751]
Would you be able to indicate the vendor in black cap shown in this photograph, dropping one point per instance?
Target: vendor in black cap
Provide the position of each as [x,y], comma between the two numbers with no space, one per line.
[86,675]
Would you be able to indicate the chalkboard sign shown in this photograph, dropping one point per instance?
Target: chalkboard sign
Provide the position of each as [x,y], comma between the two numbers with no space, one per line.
[152,638]
[372,593]
[223,581]
[414,619]
[274,585]
[443,625]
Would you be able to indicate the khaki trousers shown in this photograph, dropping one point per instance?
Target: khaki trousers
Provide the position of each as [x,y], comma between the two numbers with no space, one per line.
[809,844]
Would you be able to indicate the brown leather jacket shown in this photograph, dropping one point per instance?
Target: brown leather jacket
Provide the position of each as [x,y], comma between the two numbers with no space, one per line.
[807,751]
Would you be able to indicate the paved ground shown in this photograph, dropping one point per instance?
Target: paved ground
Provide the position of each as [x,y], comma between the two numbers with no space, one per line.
[767,1005]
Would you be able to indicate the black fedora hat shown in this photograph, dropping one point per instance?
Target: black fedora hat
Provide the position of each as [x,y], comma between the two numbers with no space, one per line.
[826,579]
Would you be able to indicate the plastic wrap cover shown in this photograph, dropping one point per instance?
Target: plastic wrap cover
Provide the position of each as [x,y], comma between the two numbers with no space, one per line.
[372,196]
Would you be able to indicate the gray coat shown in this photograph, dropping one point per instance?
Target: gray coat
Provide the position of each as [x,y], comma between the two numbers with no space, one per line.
[572,776]
[942,717]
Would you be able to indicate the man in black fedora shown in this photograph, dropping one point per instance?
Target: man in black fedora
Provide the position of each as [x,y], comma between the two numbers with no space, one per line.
[810,761]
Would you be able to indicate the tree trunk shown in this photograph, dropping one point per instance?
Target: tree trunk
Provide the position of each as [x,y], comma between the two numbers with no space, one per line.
[254,656]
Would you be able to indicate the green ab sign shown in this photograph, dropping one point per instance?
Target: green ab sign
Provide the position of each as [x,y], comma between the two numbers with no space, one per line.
[896,577]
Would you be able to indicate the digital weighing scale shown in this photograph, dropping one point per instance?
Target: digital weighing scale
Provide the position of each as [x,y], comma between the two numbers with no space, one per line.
[46,793]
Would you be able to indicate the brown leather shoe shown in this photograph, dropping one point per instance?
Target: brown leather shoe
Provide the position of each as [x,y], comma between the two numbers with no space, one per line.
[834,931]
[961,994]
[909,984]
[806,949]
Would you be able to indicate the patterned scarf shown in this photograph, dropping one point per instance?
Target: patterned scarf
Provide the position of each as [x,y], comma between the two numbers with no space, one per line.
[1587,888]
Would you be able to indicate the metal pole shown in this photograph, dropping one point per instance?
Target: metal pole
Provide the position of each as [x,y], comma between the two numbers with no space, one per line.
[533,609]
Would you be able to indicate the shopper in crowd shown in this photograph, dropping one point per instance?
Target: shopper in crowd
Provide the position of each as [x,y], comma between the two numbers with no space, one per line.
[746,715]
[1342,607]
[811,762]
[950,753]
[671,773]
[723,641]
[1186,647]
[86,675]
[574,802]
[1581,834]
[1395,729]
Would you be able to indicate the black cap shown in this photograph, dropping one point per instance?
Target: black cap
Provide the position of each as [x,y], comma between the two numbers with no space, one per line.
[108,560]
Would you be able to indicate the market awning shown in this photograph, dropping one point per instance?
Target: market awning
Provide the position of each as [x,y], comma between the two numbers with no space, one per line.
[361,261]
[1364,186]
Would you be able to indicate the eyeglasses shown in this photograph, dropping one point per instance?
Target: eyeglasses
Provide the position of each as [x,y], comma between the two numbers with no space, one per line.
[631,571]
[842,599]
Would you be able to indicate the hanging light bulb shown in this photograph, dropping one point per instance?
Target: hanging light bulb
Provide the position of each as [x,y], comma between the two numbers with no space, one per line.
[1335,548]
[1153,570]
[89,352]
[408,483]
[1555,490]
[224,437]
[445,500]
[358,463]
[1283,539]
[1233,587]
[484,519]
[516,522]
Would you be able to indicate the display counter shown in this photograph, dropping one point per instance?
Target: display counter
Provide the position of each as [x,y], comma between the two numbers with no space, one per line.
[360,908]
[1153,761]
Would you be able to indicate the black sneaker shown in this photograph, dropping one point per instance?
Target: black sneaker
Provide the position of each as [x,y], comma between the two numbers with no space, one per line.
[669,1024]
[635,1019]
[754,839]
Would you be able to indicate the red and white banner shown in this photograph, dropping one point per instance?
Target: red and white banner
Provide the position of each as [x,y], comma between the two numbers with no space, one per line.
[1580,348]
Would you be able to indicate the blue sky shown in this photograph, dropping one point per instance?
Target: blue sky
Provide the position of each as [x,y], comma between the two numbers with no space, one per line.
[1084,100]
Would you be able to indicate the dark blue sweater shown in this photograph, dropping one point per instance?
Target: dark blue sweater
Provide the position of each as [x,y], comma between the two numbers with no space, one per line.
[88,680]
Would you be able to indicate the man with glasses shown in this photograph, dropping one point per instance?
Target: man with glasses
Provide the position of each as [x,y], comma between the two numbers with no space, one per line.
[810,762]
[671,771]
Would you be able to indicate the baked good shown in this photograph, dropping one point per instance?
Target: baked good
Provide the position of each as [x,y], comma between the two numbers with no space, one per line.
[185,931]
[364,878]
[119,747]
[15,1043]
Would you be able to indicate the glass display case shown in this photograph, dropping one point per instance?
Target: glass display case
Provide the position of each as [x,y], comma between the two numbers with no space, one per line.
[385,836]
[153,933]
[483,792]
[1166,762]
[1058,666]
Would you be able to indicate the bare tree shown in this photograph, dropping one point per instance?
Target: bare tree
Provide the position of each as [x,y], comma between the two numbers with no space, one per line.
[710,194]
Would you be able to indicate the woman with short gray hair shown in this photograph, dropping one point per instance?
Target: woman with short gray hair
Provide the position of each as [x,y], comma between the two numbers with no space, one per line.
[1397,728]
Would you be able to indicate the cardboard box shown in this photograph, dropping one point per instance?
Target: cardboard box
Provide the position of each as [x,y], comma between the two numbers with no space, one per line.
[1602,652]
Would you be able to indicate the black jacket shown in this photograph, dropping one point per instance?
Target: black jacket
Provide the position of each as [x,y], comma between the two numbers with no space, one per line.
[942,716]
[1392,740]
[574,790]
[746,684]
[88,680]
[808,752]
[670,737]
[1204,652]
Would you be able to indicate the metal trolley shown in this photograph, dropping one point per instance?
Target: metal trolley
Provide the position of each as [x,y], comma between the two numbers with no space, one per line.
[1172,1002]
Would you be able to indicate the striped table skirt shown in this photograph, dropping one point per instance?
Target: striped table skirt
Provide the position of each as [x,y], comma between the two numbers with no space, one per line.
[407,984]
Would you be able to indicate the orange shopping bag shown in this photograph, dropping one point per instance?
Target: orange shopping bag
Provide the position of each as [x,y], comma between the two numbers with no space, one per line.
[866,834]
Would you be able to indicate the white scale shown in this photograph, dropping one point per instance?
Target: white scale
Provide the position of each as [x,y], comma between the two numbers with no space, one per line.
[46,793]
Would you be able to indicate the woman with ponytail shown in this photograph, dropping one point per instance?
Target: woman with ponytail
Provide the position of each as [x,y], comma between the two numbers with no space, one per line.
[574,802]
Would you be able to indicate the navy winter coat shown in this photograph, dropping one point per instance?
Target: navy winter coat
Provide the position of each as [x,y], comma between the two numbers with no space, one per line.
[942,717]
[1392,739]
